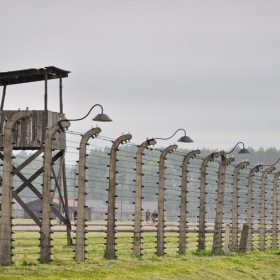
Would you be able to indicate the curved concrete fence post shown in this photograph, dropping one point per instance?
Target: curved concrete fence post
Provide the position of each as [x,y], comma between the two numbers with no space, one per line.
[202,202]
[262,244]
[217,239]
[138,197]
[249,220]
[160,224]
[274,244]
[183,205]
[234,227]
[80,229]
[111,221]
[45,232]
[7,188]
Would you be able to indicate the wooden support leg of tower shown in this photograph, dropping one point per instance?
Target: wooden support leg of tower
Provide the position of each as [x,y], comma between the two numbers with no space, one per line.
[7,187]
[69,239]
[60,196]
[57,182]
[25,208]
[3,97]
[28,183]
[28,160]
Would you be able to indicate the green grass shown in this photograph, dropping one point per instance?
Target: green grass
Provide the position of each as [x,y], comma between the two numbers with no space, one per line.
[23,222]
[255,265]
[192,265]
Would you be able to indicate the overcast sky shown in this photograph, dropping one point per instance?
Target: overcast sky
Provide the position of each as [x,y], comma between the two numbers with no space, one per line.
[210,67]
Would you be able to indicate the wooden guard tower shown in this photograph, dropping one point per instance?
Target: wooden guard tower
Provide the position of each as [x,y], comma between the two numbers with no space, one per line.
[27,130]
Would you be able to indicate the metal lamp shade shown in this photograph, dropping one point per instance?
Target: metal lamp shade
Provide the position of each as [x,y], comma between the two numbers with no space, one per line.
[244,151]
[185,139]
[102,118]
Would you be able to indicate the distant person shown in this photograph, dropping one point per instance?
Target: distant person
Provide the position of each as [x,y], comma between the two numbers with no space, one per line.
[75,216]
[155,217]
[148,215]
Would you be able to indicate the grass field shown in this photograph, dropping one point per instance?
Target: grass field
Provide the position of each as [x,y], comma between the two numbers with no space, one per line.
[252,265]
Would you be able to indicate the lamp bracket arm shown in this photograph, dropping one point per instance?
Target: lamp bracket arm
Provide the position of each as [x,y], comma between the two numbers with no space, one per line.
[170,136]
[59,123]
[235,147]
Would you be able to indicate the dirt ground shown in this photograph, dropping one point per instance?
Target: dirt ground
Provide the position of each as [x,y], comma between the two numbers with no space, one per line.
[128,228]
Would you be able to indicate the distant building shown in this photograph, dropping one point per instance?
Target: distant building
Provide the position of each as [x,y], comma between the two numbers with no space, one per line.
[36,207]
[96,209]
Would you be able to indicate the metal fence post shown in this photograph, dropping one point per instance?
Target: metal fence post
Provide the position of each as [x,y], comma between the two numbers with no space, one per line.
[45,232]
[80,229]
[202,201]
[138,197]
[7,187]
[234,227]
[160,225]
[262,210]
[111,221]
[217,239]
[183,205]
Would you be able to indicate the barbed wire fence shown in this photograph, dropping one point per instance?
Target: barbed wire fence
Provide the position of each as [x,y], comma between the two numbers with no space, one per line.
[97,187]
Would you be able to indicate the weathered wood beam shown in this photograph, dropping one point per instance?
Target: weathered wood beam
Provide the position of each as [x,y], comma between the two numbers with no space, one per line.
[3,98]
[25,207]
[69,239]
[59,216]
[55,178]
[46,92]
[27,161]
[58,189]
[60,94]
[27,182]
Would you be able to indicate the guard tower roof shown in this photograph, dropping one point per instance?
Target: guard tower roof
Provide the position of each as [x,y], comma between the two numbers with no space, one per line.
[31,75]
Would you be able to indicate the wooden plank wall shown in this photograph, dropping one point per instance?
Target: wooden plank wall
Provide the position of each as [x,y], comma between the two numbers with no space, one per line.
[29,134]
